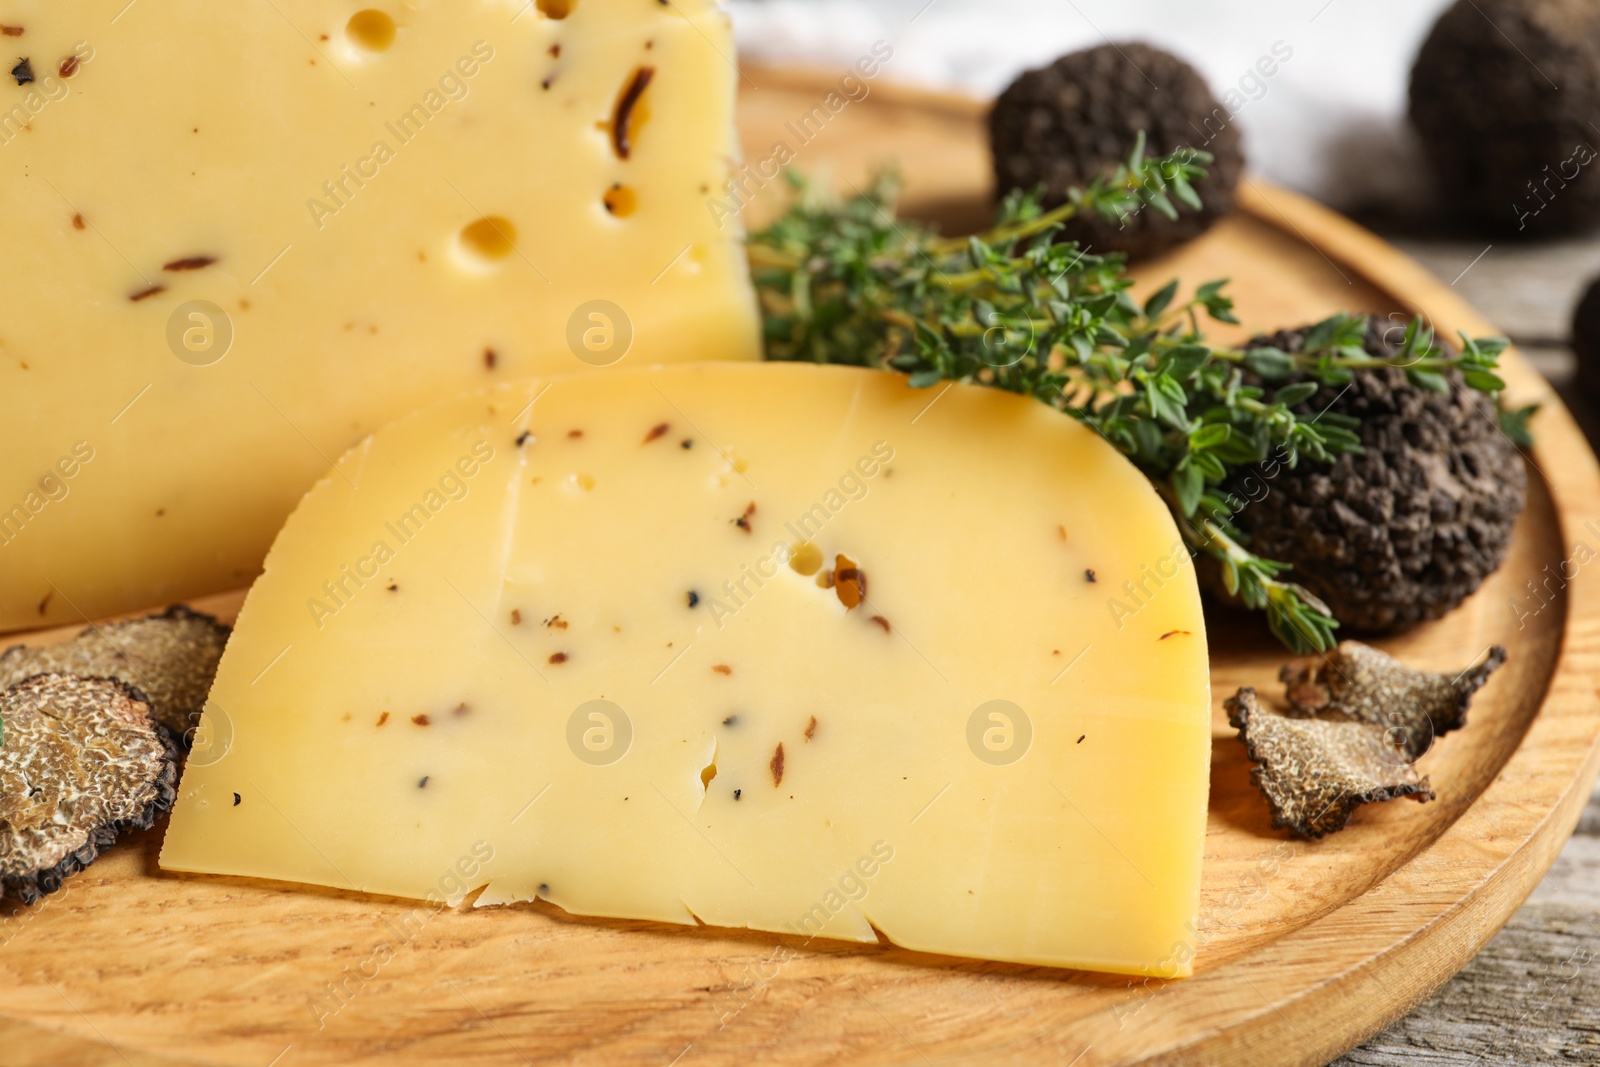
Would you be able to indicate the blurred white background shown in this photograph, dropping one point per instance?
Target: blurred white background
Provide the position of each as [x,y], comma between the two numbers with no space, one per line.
[1330,121]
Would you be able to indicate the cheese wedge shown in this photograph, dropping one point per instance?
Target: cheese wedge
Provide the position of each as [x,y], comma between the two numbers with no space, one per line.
[778,646]
[240,236]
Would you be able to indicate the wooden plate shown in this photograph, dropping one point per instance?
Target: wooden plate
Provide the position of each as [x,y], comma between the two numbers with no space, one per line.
[1306,948]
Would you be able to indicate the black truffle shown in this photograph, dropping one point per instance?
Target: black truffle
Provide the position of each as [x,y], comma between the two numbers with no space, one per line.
[171,657]
[1359,682]
[1586,342]
[1314,773]
[1063,125]
[83,762]
[1406,529]
[1502,94]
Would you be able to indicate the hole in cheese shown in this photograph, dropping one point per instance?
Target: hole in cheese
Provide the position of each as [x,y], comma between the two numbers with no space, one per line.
[556,9]
[488,240]
[370,30]
[805,558]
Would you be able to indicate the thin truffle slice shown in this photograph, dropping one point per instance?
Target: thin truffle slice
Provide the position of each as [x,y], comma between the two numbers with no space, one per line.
[83,762]
[1412,706]
[170,657]
[1316,772]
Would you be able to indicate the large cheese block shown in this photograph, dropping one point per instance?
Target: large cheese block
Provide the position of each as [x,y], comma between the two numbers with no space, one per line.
[240,235]
[778,646]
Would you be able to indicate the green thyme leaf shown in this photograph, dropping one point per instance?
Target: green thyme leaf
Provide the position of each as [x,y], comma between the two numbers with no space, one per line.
[1515,425]
[1298,393]
[1271,364]
[1019,309]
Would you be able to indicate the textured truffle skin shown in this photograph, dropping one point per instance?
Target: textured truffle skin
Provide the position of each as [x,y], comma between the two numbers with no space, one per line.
[83,762]
[1412,707]
[1314,773]
[1065,124]
[1486,102]
[170,657]
[1406,530]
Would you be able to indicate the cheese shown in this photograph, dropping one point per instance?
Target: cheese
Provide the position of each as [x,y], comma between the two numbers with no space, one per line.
[239,236]
[576,640]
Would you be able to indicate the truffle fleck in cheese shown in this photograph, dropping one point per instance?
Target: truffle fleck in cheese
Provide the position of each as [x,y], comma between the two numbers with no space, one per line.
[241,236]
[837,776]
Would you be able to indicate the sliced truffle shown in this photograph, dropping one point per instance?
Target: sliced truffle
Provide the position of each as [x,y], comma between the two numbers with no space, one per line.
[1316,772]
[83,762]
[1502,95]
[1407,528]
[1359,682]
[171,657]
[1063,125]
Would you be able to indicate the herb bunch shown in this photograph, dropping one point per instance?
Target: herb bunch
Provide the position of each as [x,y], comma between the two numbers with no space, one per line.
[848,282]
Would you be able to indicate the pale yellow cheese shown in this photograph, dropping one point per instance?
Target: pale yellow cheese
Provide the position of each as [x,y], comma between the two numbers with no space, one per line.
[337,163]
[564,668]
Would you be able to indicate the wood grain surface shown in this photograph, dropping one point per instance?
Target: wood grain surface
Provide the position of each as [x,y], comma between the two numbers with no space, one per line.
[1306,948]
[1532,997]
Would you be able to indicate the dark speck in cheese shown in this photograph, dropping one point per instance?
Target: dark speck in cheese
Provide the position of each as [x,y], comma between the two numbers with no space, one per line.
[189,263]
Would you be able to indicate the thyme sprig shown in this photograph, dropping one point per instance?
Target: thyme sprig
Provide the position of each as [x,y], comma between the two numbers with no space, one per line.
[1017,309]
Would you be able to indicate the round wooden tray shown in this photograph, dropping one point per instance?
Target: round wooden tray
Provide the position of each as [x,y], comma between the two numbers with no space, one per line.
[1306,948]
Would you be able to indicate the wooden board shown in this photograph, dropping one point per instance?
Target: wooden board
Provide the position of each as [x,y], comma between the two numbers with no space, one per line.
[1306,947]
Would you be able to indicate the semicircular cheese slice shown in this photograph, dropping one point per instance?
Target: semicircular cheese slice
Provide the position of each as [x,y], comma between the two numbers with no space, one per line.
[787,647]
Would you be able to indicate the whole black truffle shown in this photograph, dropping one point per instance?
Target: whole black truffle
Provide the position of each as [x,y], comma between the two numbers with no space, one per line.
[1586,342]
[1502,94]
[1405,530]
[1064,125]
